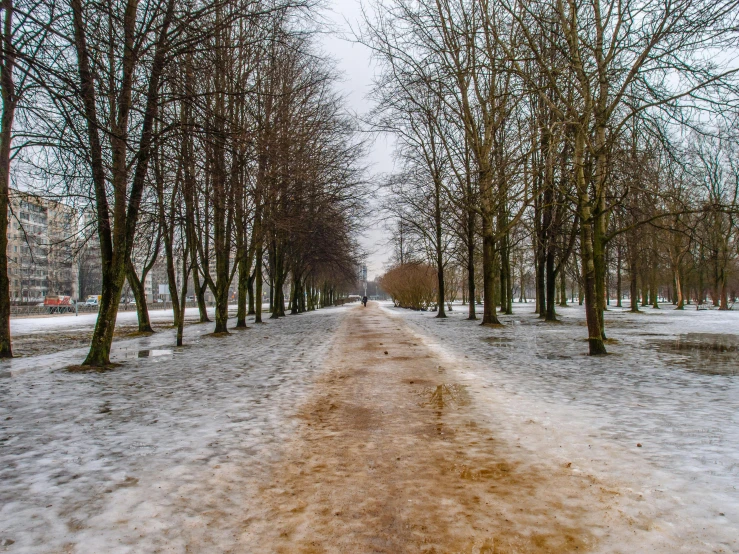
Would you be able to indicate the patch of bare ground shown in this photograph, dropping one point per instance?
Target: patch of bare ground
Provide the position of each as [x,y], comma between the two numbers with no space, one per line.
[93,368]
[391,457]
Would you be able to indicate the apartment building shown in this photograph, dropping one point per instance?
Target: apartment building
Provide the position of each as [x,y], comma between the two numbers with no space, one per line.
[41,257]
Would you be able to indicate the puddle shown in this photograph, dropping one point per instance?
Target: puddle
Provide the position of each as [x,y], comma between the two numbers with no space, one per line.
[553,356]
[497,341]
[149,354]
[714,342]
[446,396]
[706,353]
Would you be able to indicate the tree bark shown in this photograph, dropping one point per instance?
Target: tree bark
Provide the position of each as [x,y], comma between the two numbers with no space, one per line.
[678,289]
[551,282]
[7,66]
[563,288]
[441,296]
[633,284]
[142,310]
[618,278]
[587,246]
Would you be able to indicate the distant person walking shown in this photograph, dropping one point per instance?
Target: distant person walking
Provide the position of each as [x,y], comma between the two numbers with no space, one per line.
[364,301]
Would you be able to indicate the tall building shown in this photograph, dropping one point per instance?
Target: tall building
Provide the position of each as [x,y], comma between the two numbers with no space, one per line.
[41,257]
[89,260]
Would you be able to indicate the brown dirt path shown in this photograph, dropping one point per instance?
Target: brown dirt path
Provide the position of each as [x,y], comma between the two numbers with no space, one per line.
[391,458]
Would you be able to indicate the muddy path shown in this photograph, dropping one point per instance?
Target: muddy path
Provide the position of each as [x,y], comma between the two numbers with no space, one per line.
[392,456]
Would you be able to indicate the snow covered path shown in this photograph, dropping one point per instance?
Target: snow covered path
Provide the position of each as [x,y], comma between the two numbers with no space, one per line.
[374,430]
[139,459]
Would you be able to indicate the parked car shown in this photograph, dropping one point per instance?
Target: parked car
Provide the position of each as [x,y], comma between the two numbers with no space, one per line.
[93,300]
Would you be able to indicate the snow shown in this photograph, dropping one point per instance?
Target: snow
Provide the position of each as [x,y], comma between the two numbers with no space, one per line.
[681,407]
[143,458]
[86,321]
[164,453]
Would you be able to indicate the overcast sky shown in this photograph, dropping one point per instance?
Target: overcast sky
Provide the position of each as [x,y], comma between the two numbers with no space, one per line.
[354,62]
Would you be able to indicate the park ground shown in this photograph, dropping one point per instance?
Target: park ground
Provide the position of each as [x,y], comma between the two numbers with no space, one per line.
[376,430]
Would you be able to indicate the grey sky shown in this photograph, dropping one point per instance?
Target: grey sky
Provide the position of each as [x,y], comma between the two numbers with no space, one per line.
[354,62]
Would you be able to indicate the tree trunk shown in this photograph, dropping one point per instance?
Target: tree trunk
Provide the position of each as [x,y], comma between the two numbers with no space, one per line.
[221,297]
[618,278]
[654,289]
[271,294]
[243,283]
[441,296]
[293,303]
[278,276]
[183,298]
[678,289]
[645,292]
[600,268]
[550,313]
[541,287]
[724,292]
[279,307]
[102,338]
[506,292]
[595,336]
[563,288]
[489,316]
[633,285]
[250,291]
[200,296]
[587,246]
[471,265]
[142,310]
[258,282]
[7,64]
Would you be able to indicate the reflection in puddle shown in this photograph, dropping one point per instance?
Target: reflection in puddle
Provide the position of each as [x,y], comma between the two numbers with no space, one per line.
[497,341]
[707,353]
[446,395]
[554,356]
[150,353]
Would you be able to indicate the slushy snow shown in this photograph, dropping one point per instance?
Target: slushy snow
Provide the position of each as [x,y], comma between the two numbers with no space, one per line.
[168,451]
[682,408]
[141,458]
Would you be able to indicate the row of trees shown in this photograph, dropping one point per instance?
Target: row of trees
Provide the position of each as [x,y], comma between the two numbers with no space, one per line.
[206,133]
[566,137]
